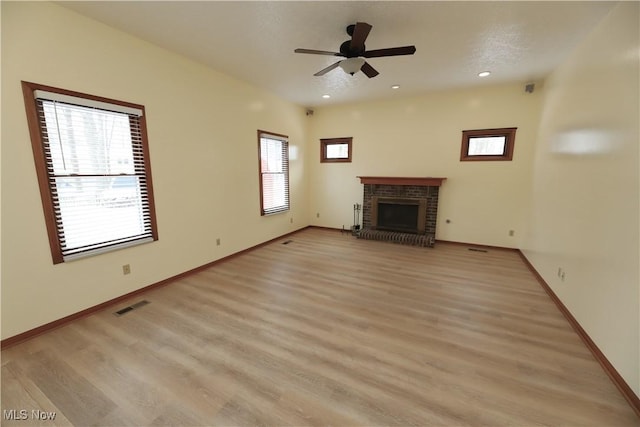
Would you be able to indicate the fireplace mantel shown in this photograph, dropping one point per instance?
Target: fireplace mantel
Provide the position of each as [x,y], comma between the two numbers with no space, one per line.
[402,180]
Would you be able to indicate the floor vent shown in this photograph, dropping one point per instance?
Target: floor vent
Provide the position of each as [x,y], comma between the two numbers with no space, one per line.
[286,242]
[478,250]
[131,307]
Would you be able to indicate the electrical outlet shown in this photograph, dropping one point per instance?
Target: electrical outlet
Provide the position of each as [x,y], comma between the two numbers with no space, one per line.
[318,215]
[126,269]
[511,233]
[218,241]
[291,220]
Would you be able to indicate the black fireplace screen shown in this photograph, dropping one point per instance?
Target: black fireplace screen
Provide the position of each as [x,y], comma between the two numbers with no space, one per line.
[398,217]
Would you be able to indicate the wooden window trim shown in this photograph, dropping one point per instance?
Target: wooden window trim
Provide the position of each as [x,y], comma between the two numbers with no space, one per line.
[260,173]
[39,155]
[508,133]
[331,141]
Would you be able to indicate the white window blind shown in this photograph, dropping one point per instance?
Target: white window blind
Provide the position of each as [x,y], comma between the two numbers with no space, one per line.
[95,163]
[274,173]
[86,102]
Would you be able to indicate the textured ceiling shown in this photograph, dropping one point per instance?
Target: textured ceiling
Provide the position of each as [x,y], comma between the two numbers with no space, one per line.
[254,41]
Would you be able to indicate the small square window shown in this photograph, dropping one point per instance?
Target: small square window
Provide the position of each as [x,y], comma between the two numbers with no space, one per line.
[335,150]
[487,144]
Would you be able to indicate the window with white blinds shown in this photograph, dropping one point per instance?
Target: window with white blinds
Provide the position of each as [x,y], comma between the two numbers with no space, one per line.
[274,172]
[92,160]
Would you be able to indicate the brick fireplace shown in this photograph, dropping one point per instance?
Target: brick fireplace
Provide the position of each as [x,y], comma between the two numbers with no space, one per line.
[400,209]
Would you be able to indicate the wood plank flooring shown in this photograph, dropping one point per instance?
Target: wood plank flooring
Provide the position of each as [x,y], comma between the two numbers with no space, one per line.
[324,330]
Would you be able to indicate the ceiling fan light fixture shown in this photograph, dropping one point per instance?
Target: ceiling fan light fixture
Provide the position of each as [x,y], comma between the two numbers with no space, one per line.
[354,52]
[352,65]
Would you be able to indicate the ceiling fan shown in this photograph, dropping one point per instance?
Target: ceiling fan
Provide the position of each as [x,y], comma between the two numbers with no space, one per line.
[355,51]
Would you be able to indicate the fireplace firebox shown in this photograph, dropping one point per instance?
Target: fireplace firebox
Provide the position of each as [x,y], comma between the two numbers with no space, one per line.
[407,215]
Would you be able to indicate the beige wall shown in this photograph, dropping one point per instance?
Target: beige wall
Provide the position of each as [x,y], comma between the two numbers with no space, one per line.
[585,188]
[570,194]
[421,136]
[203,143]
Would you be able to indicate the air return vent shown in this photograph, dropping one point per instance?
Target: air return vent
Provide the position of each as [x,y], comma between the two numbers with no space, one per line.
[131,307]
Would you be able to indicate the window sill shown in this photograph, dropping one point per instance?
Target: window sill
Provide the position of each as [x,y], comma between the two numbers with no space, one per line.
[94,252]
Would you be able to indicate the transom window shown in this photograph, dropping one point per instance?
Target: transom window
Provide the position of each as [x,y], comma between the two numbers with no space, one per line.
[335,150]
[488,144]
[92,161]
[273,151]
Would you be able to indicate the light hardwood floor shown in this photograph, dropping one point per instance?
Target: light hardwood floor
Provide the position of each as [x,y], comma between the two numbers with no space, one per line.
[324,330]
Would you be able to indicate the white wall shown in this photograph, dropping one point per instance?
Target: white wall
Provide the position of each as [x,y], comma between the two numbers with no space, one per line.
[203,143]
[421,136]
[585,188]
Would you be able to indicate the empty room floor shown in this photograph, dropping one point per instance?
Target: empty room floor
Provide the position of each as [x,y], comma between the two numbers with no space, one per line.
[323,330]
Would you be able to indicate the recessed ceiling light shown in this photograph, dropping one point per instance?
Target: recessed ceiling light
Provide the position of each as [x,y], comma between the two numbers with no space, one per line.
[395,87]
[484,74]
[326,96]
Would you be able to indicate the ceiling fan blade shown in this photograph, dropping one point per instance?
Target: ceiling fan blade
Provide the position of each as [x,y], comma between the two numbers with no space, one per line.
[392,51]
[318,52]
[369,70]
[360,33]
[326,70]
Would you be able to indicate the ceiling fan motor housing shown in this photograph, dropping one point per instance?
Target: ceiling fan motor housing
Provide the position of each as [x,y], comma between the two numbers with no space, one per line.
[346,50]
